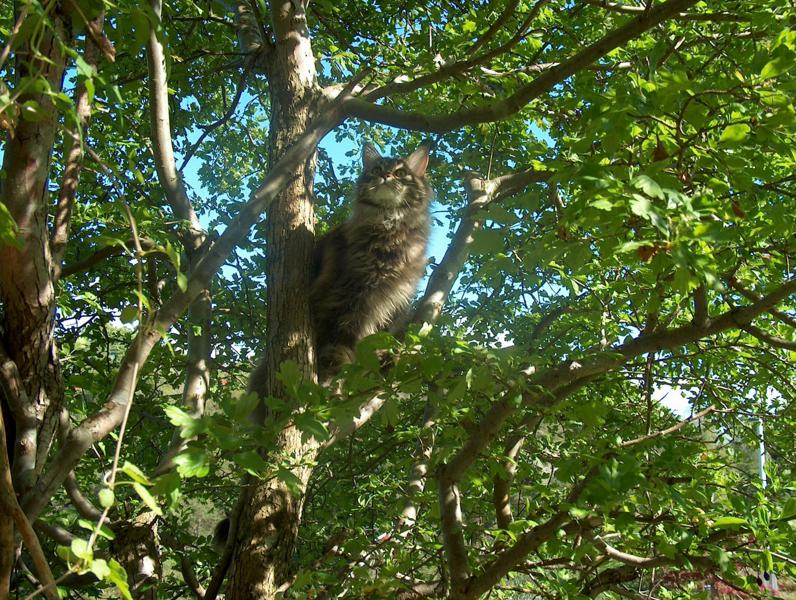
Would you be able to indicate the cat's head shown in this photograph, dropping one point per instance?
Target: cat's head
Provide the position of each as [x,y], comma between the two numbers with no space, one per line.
[389,183]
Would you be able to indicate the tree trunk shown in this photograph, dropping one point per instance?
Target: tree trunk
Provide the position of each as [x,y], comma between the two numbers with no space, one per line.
[271,513]
[26,273]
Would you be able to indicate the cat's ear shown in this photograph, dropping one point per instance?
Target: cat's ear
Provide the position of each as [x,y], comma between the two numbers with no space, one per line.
[418,161]
[370,156]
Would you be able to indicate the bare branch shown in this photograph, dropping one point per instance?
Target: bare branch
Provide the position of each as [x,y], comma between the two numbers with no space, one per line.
[541,67]
[750,295]
[481,194]
[73,156]
[651,436]
[161,137]
[419,470]
[773,340]
[207,129]
[497,24]
[186,567]
[83,505]
[502,485]
[57,534]
[452,531]
[444,276]
[11,385]
[102,254]
[457,68]
[502,109]
[701,316]
[339,431]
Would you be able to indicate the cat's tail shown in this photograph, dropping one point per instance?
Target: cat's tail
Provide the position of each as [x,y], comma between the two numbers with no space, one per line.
[221,534]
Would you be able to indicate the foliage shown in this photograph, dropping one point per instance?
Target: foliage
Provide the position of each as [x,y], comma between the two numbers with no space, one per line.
[667,199]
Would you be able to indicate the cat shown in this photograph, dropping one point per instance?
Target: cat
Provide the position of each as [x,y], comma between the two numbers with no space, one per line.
[365,270]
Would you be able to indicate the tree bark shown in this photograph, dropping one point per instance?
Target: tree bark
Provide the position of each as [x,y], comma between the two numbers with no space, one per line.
[26,271]
[271,513]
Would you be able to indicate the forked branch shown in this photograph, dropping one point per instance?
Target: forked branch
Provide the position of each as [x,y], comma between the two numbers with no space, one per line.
[502,109]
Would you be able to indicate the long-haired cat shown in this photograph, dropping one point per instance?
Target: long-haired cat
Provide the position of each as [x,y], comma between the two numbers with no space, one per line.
[366,270]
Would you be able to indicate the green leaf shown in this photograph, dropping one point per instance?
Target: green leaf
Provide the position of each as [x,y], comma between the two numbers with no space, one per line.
[729,522]
[100,569]
[789,510]
[290,480]
[192,462]
[167,486]
[182,282]
[81,549]
[177,416]
[735,133]
[8,228]
[251,461]
[83,68]
[289,374]
[602,204]
[135,473]
[487,241]
[648,186]
[33,112]
[144,494]
[779,65]
[104,531]
[118,576]
[310,427]
[244,403]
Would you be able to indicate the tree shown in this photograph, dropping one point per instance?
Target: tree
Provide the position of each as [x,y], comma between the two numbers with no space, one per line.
[618,179]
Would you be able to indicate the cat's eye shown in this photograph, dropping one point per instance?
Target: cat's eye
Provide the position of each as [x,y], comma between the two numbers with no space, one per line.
[376,170]
[400,172]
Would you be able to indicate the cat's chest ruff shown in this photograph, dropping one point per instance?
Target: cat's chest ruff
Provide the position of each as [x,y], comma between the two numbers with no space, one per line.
[384,252]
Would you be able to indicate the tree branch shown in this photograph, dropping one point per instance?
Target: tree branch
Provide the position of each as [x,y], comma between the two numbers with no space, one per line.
[419,469]
[480,193]
[502,109]
[457,68]
[103,253]
[11,385]
[83,505]
[773,340]
[634,9]
[750,295]
[502,485]
[207,129]
[453,532]
[74,155]
[497,24]
[162,147]
[701,316]
[672,429]
[10,506]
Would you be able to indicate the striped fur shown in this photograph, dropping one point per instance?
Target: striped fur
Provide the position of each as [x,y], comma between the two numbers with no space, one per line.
[366,270]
